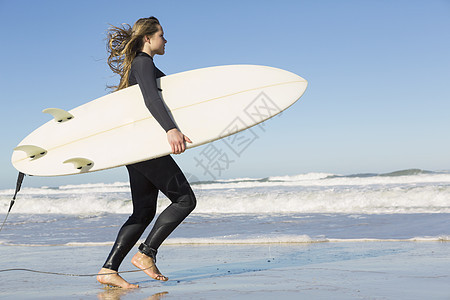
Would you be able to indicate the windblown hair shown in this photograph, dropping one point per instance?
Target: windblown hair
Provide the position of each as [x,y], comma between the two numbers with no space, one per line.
[124,43]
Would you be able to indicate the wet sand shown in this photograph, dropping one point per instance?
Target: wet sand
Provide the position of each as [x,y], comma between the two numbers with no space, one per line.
[329,270]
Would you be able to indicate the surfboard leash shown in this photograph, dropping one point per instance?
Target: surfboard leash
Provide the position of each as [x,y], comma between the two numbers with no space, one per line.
[70,274]
[18,185]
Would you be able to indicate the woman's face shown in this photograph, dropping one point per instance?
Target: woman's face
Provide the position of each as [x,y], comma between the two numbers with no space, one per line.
[157,42]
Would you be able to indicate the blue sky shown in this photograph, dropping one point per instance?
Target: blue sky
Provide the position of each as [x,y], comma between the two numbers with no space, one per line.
[378,72]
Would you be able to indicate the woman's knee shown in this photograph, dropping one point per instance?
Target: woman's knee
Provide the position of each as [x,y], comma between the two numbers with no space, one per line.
[143,216]
[188,201]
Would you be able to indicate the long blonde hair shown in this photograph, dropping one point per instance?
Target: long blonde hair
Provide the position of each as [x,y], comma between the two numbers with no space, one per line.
[124,43]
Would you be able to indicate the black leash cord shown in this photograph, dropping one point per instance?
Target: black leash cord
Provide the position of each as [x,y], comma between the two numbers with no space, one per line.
[18,185]
[68,274]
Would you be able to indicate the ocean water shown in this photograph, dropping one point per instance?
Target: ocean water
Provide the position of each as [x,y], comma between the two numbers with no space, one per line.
[412,205]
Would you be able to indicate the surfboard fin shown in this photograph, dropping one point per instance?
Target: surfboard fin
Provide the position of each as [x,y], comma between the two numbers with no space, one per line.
[82,164]
[33,152]
[58,114]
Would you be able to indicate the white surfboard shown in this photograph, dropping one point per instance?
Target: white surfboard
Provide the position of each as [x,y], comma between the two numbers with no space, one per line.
[117,129]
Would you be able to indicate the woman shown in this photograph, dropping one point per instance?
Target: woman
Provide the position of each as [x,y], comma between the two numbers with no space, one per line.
[131,56]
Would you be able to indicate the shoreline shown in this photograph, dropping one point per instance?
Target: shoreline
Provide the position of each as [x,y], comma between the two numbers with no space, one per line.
[374,270]
[246,242]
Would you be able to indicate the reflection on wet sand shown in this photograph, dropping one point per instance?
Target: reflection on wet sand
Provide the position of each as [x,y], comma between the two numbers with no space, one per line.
[113,293]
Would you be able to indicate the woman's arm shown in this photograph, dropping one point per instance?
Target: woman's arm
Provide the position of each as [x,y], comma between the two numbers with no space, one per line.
[144,72]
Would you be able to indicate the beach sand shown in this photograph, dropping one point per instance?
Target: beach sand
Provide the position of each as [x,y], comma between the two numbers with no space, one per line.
[328,270]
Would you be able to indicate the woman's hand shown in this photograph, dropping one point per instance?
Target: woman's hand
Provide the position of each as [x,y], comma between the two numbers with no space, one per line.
[177,140]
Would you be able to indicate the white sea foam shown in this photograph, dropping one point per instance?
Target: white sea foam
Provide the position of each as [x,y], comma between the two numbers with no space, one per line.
[411,191]
[294,239]
[300,177]
[279,239]
[282,239]
[329,180]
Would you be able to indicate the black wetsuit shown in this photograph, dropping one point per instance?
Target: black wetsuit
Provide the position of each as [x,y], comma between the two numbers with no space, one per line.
[149,177]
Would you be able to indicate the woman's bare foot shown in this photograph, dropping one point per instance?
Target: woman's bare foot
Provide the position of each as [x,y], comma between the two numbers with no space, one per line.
[147,264]
[114,279]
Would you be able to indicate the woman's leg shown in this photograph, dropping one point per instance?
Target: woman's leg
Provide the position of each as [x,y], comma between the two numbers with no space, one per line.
[144,195]
[165,174]
[169,179]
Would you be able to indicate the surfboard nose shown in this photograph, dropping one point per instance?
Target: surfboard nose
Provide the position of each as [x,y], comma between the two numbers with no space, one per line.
[292,77]
[291,85]
[301,86]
